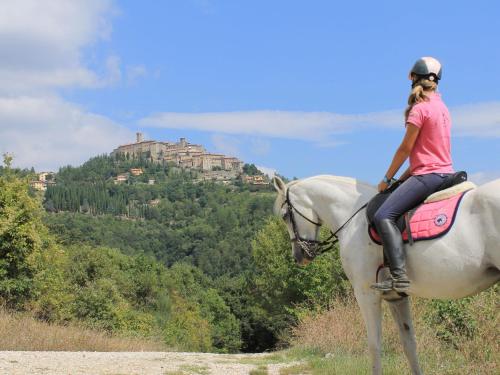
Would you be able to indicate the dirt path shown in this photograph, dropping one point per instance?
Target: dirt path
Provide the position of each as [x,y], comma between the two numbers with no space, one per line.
[131,363]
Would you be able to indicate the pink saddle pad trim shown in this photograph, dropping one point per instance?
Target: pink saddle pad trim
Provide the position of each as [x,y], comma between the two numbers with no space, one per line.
[430,220]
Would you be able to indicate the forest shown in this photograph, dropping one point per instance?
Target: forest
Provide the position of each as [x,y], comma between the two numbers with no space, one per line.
[206,267]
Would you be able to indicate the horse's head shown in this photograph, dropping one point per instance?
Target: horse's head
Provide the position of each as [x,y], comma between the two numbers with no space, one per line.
[301,221]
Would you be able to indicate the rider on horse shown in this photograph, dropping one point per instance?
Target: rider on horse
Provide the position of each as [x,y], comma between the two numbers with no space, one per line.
[427,144]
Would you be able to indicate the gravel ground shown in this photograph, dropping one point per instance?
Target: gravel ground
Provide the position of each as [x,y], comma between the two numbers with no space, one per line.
[131,363]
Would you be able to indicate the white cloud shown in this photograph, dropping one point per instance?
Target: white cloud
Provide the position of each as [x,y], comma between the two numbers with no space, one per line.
[266,170]
[280,124]
[226,145]
[41,43]
[479,120]
[135,72]
[41,51]
[47,132]
[260,146]
[483,177]
[206,6]
[114,73]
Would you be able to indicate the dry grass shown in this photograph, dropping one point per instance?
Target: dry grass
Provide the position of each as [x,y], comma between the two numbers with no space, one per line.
[478,355]
[341,330]
[261,370]
[302,369]
[338,328]
[22,332]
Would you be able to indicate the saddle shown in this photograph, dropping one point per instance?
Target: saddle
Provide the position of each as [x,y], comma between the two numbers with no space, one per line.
[431,219]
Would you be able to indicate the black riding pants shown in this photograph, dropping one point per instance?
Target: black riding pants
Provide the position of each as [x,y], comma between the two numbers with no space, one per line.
[410,194]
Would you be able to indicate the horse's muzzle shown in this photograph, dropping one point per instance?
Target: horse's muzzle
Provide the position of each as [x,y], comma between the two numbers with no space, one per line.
[300,255]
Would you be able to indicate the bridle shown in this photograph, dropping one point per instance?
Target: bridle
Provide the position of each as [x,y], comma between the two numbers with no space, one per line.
[312,248]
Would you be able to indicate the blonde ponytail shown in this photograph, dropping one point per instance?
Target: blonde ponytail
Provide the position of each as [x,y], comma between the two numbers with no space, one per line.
[419,94]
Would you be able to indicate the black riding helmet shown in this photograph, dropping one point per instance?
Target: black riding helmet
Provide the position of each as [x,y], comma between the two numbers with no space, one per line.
[426,68]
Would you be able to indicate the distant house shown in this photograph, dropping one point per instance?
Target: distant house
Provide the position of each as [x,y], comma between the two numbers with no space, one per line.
[136,171]
[46,176]
[255,180]
[123,177]
[154,202]
[151,181]
[219,176]
[38,185]
[260,180]
[45,179]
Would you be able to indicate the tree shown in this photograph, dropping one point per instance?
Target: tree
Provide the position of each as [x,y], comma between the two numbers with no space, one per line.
[251,170]
[286,288]
[21,236]
[85,207]
[196,288]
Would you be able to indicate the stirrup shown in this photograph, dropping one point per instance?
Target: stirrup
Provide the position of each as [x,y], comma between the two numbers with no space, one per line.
[400,285]
[383,286]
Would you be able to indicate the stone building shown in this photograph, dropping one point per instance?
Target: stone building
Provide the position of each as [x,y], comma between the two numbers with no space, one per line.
[151,149]
[45,179]
[136,171]
[46,176]
[183,154]
[255,180]
[38,185]
[123,177]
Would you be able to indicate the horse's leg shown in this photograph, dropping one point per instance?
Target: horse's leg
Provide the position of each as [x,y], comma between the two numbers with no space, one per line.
[370,305]
[401,313]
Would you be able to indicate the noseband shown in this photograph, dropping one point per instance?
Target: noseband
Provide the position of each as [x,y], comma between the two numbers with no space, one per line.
[312,248]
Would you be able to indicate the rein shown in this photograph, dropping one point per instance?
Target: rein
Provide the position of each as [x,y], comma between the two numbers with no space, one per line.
[314,247]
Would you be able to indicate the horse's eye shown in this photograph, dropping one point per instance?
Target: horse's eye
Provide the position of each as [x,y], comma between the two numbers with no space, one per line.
[285,215]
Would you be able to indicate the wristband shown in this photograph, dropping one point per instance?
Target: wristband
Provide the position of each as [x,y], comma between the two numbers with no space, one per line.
[388,181]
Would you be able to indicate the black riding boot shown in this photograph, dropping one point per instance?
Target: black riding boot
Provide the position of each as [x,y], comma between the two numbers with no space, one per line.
[394,253]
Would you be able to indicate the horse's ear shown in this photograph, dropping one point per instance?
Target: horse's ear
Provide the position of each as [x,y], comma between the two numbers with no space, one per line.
[279,185]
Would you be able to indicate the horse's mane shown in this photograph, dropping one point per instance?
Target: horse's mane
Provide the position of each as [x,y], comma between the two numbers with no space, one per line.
[341,179]
[324,177]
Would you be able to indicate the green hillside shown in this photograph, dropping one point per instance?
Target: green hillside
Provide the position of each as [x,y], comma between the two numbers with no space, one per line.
[201,265]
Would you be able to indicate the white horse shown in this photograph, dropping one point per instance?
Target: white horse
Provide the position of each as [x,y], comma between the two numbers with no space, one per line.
[463,262]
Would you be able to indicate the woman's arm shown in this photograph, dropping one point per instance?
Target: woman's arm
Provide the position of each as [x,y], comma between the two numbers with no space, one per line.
[401,154]
[405,175]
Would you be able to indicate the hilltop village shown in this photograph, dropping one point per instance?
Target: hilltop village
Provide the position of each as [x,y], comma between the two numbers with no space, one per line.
[182,154]
[186,155]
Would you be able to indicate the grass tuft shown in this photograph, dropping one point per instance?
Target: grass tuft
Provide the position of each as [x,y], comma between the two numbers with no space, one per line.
[21,332]
[261,370]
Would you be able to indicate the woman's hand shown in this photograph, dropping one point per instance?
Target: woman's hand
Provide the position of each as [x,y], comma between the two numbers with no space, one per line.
[382,186]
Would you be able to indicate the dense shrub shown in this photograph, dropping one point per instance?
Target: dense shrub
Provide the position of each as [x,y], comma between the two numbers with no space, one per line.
[22,236]
[198,289]
[452,319]
[285,288]
[186,329]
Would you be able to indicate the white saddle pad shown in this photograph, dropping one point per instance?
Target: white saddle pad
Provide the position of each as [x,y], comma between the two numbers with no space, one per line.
[450,192]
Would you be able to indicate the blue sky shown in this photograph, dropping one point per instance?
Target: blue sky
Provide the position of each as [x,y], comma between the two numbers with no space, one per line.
[304,88]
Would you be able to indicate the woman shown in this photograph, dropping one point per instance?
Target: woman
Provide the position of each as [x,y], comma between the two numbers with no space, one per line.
[427,144]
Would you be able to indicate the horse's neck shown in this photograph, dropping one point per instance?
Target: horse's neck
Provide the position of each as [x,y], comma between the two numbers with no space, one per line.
[336,201]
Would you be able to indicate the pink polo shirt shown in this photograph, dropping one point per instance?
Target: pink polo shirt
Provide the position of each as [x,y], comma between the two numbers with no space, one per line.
[432,150]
